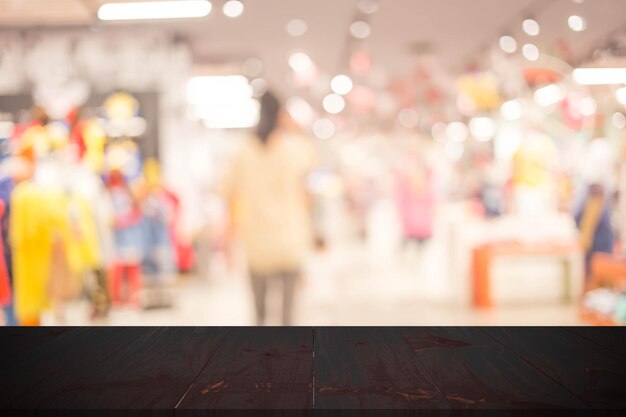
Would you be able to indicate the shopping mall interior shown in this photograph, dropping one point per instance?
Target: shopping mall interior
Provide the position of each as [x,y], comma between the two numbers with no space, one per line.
[465,162]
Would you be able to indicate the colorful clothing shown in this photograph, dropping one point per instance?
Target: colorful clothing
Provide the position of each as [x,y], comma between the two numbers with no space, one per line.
[128,232]
[594,221]
[158,252]
[415,202]
[39,224]
[5,284]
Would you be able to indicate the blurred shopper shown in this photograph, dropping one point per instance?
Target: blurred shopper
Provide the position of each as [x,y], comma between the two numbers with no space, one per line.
[266,192]
[594,222]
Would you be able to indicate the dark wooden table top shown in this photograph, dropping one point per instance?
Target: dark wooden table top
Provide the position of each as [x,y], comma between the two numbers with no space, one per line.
[434,371]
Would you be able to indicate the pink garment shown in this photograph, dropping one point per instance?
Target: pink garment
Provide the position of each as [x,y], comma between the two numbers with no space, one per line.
[415,202]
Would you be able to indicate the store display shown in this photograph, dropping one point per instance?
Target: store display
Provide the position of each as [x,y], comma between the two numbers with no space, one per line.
[504,164]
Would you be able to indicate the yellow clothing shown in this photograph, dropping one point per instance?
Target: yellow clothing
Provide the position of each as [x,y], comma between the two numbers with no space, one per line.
[54,241]
[95,140]
[531,162]
[267,183]
[36,215]
[81,242]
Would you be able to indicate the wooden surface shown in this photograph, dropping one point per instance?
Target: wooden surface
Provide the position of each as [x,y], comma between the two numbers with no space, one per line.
[315,371]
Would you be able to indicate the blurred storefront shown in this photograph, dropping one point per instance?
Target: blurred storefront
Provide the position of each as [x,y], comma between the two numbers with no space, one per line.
[470,178]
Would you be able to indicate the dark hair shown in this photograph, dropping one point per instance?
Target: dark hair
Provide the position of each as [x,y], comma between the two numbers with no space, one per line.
[268,116]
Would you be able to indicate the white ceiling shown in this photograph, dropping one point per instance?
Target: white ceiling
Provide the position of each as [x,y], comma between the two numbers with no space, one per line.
[454,30]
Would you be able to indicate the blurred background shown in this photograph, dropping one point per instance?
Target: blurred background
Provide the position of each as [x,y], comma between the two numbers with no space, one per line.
[470,159]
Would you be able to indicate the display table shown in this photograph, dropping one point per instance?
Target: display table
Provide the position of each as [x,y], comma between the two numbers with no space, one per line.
[307,371]
[483,256]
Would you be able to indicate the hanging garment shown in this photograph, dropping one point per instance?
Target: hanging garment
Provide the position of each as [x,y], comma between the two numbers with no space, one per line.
[183,250]
[415,203]
[158,251]
[90,187]
[128,232]
[129,273]
[6,188]
[39,221]
[81,243]
[5,284]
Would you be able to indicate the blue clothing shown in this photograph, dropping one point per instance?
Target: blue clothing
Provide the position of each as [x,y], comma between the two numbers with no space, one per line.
[602,237]
[158,252]
[6,188]
[129,241]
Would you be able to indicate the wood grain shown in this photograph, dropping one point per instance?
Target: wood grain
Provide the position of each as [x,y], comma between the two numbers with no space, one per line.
[16,340]
[475,372]
[594,374]
[38,373]
[323,371]
[267,368]
[152,371]
[612,338]
[362,368]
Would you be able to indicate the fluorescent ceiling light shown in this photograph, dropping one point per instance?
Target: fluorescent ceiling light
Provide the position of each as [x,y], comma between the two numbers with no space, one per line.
[549,95]
[599,76]
[154,10]
[218,89]
[222,101]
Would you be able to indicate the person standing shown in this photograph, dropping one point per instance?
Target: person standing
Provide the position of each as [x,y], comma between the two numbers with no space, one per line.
[269,205]
[593,219]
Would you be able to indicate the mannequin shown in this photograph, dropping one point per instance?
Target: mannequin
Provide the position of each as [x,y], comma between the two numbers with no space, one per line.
[128,240]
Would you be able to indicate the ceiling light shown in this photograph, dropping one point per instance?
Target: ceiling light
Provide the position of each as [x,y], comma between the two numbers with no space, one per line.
[233,8]
[599,76]
[360,29]
[300,110]
[201,89]
[576,23]
[530,52]
[511,110]
[619,120]
[333,103]
[456,131]
[587,106]
[549,95]
[508,44]
[300,62]
[323,128]
[154,10]
[482,128]
[531,27]
[341,84]
[620,95]
[223,102]
[296,27]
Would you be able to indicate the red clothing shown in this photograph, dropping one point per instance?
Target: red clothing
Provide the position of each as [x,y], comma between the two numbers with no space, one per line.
[5,285]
